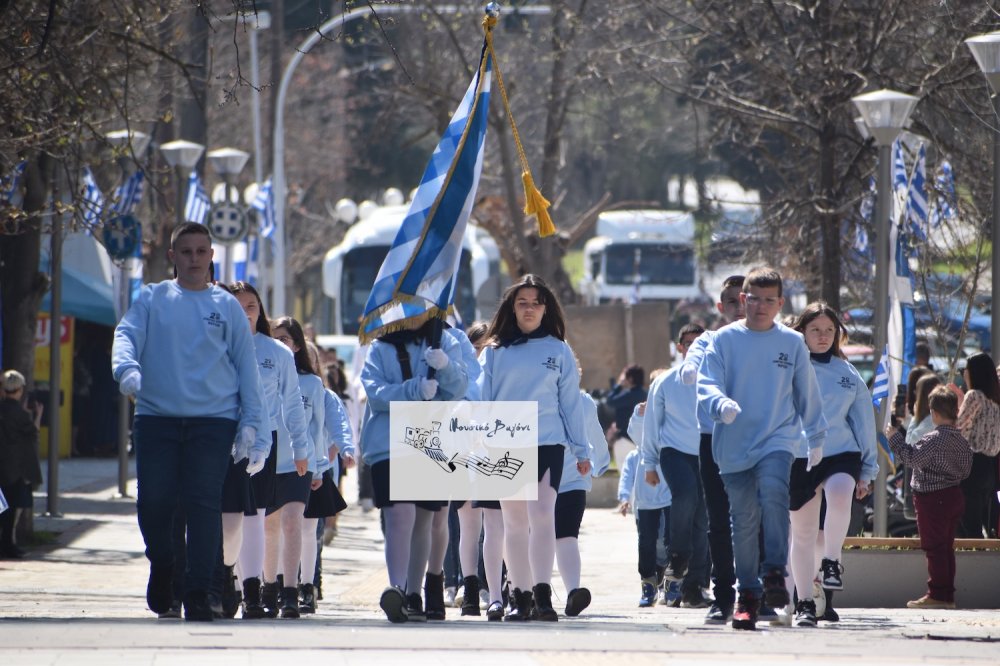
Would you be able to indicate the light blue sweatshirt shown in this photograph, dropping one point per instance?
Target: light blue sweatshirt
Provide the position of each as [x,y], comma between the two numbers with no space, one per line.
[541,370]
[769,375]
[671,420]
[282,397]
[600,455]
[383,382]
[632,486]
[918,430]
[471,360]
[337,426]
[311,391]
[195,352]
[695,356]
[850,418]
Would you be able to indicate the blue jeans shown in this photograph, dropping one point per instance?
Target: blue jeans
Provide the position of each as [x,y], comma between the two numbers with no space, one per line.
[182,461]
[688,518]
[653,526]
[758,497]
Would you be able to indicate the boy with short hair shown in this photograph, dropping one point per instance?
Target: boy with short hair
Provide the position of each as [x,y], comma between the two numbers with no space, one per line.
[759,386]
[940,460]
[184,350]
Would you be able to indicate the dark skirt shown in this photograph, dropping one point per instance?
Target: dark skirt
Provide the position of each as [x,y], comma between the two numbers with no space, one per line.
[237,491]
[569,513]
[550,457]
[326,500]
[263,481]
[380,484]
[290,487]
[18,495]
[802,485]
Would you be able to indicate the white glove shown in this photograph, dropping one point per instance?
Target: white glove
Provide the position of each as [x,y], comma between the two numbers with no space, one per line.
[247,436]
[428,388]
[131,382]
[728,411]
[689,374]
[256,462]
[815,455]
[436,358]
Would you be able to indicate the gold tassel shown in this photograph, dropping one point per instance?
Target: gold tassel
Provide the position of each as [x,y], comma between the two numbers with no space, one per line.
[536,205]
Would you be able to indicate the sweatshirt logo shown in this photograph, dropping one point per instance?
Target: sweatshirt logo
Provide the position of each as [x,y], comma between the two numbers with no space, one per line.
[846,383]
[782,361]
[267,364]
[214,319]
[551,363]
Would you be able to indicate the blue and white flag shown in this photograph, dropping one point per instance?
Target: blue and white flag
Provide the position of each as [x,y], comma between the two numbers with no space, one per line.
[944,208]
[867,207]
[91,200]
[880,387]
[128,195]
[263,203]
[417,279]
[899,179]
[9,184]
[916,199]
[198,204]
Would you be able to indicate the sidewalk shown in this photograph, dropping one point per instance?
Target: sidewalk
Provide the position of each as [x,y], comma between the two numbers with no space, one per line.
[82,601]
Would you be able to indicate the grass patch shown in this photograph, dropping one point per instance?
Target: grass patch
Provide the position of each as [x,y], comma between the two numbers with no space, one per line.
[43,538]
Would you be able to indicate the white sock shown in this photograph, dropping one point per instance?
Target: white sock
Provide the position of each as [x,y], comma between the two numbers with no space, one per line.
[470,522]
[568,559]
[399,520]
[804,525]
[839,491]
[542,538]
[307,561]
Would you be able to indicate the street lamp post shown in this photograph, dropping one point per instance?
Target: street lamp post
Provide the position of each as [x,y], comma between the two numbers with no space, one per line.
[986,50]
[129,143]
[885,112]
[228,163]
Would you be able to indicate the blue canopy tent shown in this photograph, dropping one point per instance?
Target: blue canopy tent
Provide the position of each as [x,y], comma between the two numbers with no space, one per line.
[86,280]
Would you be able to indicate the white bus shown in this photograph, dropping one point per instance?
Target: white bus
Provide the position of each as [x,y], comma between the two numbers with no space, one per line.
[349,269]
[641,255]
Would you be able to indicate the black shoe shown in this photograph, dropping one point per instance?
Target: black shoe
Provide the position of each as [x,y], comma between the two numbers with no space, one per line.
[231,597]
[393,604]
[521,602]
[805,613]
[831,574]
[415,608]
[719,614]
[543,603]
[745,613]
[11,551]
[173,614]
[775,592]
[676,569]
[290,603]
[576,601]
[829,615]
[215,603]
[495,612]
[470,603]
[160,588]
[307,599]
[197,607]
[269,599]
[252,608]
[694,599]
[434,594]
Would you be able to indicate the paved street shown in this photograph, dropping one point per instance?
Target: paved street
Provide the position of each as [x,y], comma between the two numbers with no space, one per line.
[82,601]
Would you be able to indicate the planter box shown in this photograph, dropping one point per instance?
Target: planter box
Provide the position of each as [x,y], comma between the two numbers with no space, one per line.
[604,494]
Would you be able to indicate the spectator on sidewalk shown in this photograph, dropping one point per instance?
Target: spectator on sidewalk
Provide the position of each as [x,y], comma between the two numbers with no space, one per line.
[623,397]
[19,468]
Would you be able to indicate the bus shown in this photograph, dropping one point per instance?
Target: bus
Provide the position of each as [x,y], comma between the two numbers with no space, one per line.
[350,268]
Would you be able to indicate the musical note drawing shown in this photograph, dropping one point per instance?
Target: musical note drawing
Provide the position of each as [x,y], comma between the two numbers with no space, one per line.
[428,441]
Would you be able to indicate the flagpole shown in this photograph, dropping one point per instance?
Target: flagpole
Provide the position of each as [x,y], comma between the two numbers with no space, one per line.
[883,211]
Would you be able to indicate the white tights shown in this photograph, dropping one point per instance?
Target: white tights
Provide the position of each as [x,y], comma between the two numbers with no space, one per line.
[530,537]
[471,522]
[283,533]
[232,537]
[307,561]
[399,520]
[805,545]
[568,560]
[252,550]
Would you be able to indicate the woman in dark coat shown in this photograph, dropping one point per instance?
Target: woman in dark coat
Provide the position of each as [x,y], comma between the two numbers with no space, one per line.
[19,468]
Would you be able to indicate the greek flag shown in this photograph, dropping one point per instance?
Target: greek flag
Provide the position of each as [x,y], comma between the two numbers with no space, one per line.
[9,184]
[92,201]
[916,198]
[880,387]
[263,203]
[945,186]
[899,178]
[417,279]
[198,204]
[128,195]
[861,243]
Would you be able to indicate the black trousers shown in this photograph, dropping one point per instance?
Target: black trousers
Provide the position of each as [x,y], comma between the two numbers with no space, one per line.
[720,533]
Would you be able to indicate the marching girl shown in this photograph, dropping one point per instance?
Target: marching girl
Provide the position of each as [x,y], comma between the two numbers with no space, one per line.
[847,468]
[284,523]
[527,358]
[283,401]
[395,370]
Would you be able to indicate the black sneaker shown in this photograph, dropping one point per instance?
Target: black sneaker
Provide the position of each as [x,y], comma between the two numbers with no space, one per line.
[393,604]
[832,570]
[775,592]
[197,607]
[677,568]
[719,614]
[173,614]
[694,599]
[648,597]
[160,589]
[830,615]
[745,613]
[805,613]
[415,608]
[576,601]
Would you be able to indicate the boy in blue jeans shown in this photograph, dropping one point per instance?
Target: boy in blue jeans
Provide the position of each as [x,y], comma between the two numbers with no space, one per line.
[760,388]
[185,351]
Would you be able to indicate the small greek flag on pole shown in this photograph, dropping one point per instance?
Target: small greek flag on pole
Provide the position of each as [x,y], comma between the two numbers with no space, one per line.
[880,387]
[263,203]
[916,198]
[128,194]
[92,201]
[417,279]
[9,184]
[198,204]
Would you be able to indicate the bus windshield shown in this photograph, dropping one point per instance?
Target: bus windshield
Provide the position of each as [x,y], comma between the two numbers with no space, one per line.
[664,264]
